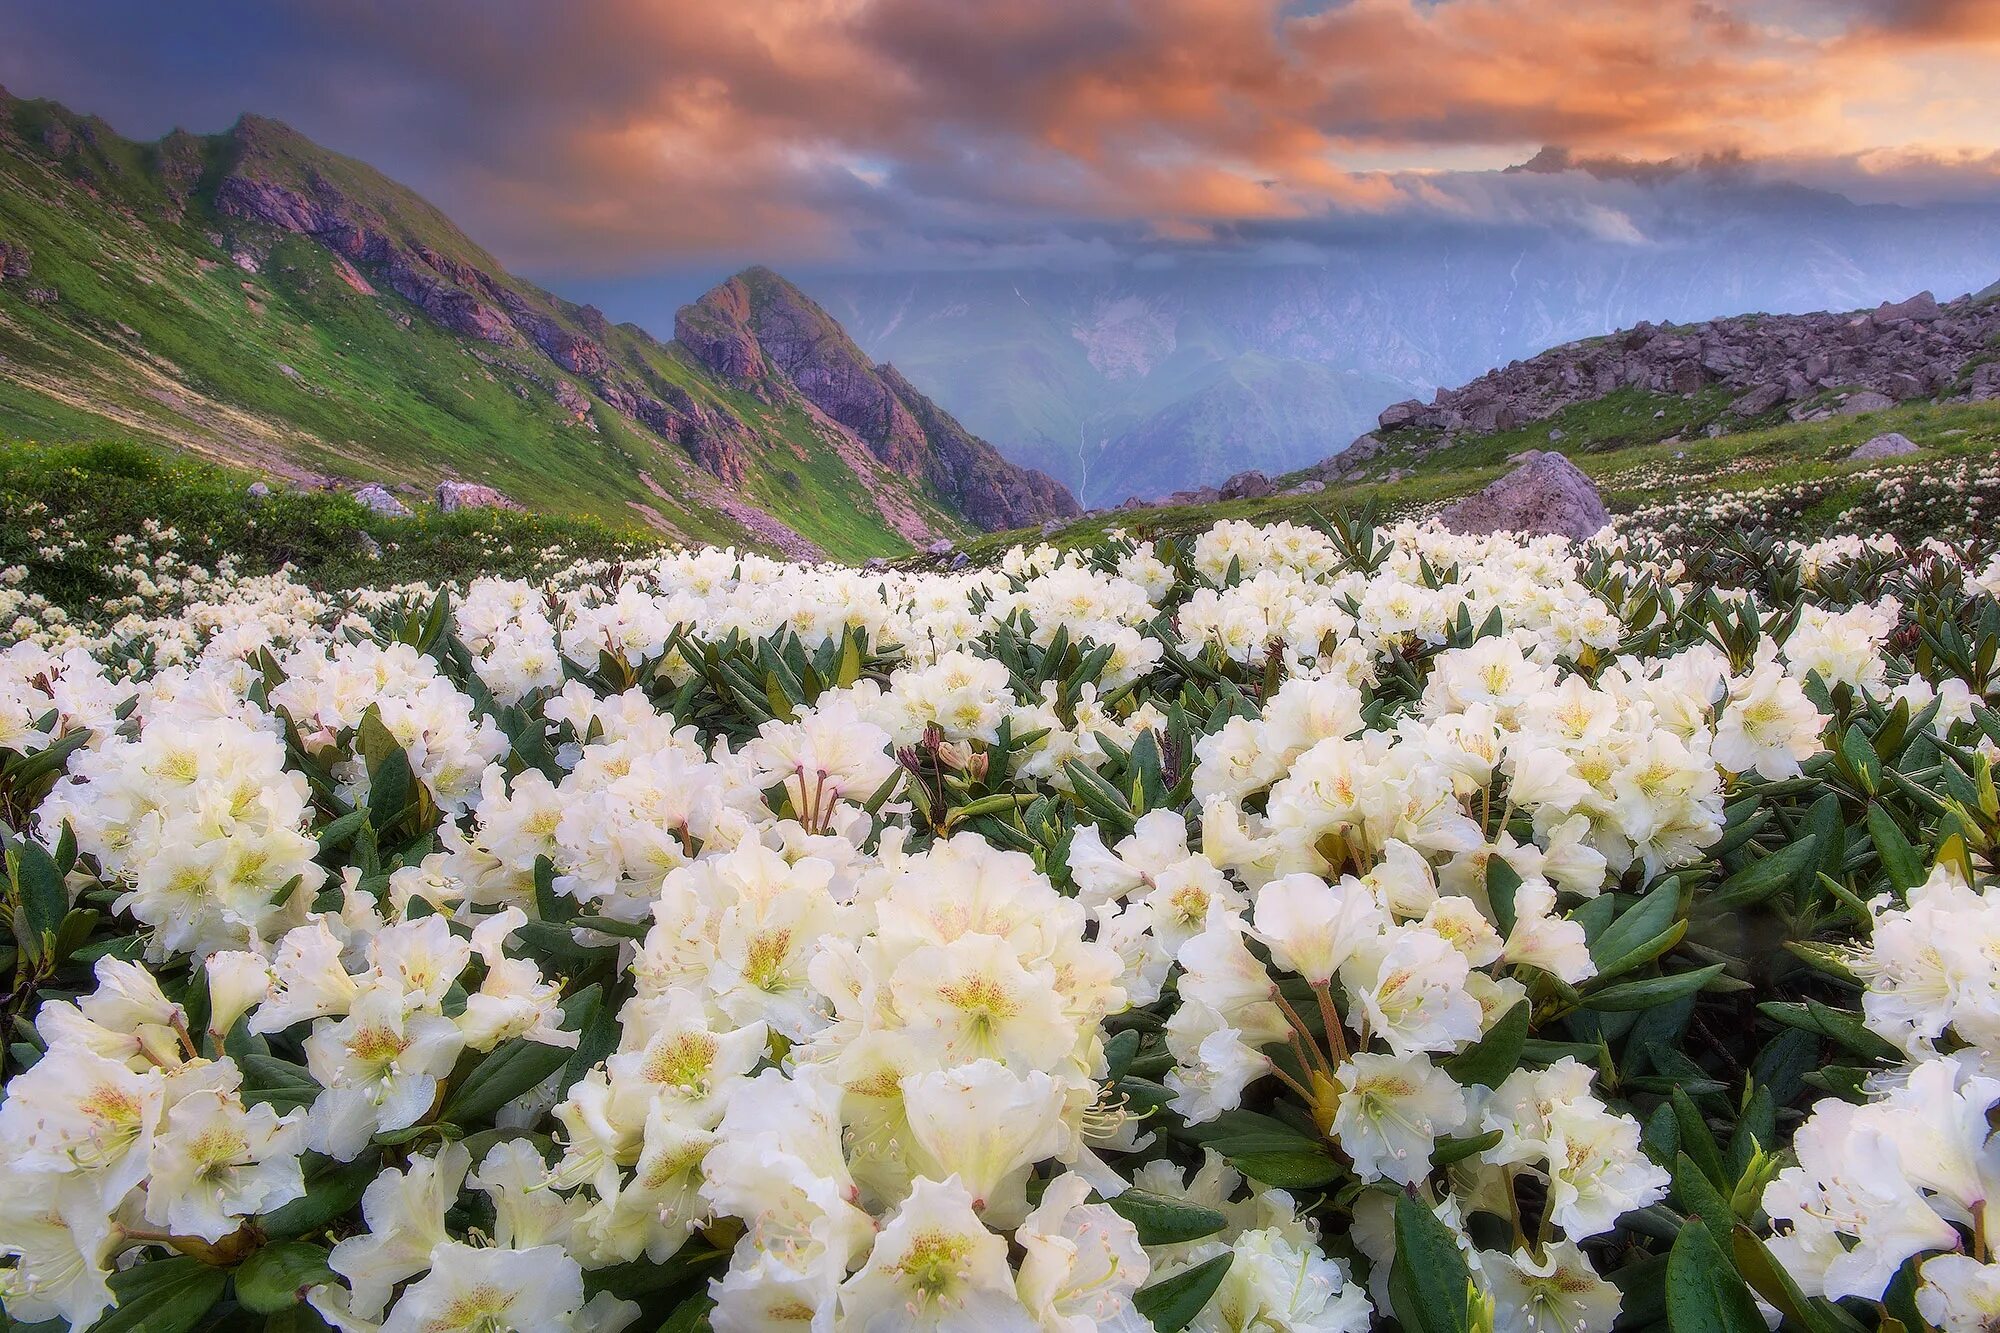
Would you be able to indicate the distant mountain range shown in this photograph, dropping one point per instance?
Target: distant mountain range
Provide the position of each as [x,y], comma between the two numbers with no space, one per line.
[1154,375]
[254,297]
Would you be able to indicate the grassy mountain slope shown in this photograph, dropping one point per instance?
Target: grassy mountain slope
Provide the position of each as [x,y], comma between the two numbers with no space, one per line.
[261,301]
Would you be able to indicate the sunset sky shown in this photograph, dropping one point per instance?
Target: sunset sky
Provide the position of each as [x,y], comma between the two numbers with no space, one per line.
[596,137]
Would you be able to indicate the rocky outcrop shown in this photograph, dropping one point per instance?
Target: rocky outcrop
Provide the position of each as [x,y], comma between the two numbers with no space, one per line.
[1250,485]
[452,496]
[1546,495]
[716,330]
[1891,444]
[990,491]
[15,260]
[757,328]
[1913,349]
[376,498]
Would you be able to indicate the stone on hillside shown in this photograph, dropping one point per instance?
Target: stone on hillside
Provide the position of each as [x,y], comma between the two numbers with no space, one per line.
[1922,307]
[376,498]
[453,496]
[1890,445]
[1249,485]
[1865,401]
[1903,387]
[942,546]
[259,491]
[1400,414]
[1309,487]
[1759,401]
[1547,494]
[15,260]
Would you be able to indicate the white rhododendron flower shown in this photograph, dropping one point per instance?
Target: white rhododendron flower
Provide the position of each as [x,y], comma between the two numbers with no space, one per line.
[1179,927]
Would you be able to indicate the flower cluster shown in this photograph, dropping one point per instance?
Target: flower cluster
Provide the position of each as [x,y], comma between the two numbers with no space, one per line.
[1295,928]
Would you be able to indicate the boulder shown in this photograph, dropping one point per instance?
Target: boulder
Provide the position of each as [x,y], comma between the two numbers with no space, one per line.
[1865,401]
[1889,445]
[942,546]
[1903,387]
[1922,307]
[1249,485]
[1309,487]
[1400,414]
[15,260]
[259,491]
[1546,494]
[376,498]
[1759,400]
[453,496]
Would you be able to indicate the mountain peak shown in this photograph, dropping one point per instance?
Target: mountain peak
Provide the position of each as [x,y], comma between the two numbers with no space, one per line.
[759,325]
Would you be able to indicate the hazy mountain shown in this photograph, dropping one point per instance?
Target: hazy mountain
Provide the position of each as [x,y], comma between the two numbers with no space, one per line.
[1158,372]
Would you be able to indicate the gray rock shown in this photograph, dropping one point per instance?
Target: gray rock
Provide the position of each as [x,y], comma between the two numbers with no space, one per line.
[375,497]
[1250,485]
[370,547]
[1309,487]
[1903,387]
[1865,401]
[1400,414]
[1889,445]
[1922,307]
[258,490]
[1051,527]
[942,546]
[453,496]
[1546,494]
[1759,400]
[875,562]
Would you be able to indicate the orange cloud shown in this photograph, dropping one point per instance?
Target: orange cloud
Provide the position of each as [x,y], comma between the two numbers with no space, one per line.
[598,131]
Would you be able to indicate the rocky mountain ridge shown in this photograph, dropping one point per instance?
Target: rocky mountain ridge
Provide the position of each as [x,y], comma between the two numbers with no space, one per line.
[1759,369]
[804,445]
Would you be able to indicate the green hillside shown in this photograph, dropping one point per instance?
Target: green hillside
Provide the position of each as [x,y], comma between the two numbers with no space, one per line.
[260,301]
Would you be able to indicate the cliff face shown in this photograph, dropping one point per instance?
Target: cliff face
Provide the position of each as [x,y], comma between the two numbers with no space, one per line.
[757,328]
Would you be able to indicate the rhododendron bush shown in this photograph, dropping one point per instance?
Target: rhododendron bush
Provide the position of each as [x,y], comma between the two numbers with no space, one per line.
[1288,929]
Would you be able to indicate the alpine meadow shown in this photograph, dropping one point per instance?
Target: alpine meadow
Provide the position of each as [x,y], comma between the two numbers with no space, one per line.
[1054,666]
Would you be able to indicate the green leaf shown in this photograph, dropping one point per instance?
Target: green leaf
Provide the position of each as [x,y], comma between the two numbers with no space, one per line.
[1457,1150]
[1502,883]
[1172,1303]
[1488,1061]
[690,1316]
[1649,992]
[1704,1293]
[39,885]
[1836,1025]
[1762,878]
[1430,1286]
[1900,861]
[515,1066]
[1700,1199]
[1644,920]
[1288,1170]
[331,1191]
[162,1296]
[1697,1140]
[341,831]
[278,1276]
[1164,1221]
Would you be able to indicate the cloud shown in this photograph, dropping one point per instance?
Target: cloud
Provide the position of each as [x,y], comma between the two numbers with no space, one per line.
[599,134]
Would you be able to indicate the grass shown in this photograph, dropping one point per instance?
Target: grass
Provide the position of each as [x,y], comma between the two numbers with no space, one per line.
[160,337]
[106,489]
[1614,441]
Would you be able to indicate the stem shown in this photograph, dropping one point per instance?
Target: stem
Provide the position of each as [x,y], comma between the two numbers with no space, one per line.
[1292,1083]
[1336,1038]
[1304,1032]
